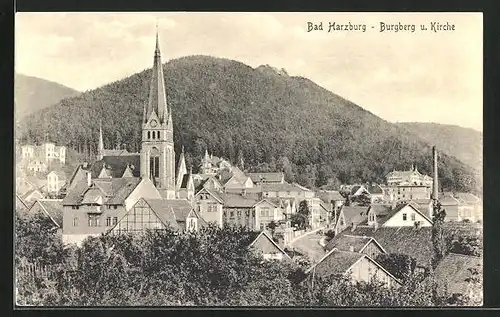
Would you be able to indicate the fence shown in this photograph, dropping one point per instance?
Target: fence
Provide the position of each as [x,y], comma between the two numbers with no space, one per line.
[35,269]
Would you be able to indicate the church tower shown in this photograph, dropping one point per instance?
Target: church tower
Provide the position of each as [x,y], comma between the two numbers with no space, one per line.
[157,146]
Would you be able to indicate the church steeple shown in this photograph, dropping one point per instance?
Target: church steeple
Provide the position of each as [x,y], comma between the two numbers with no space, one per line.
[100,150]
[157,147]
[157,102]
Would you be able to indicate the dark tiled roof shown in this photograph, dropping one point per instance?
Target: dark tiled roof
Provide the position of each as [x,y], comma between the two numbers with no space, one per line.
[354,214]
[328,196]
[283,188]
[185,180]
[117,165]
[117,190]
[345,242]
[264,243]
[171,212]
[453,271]
[54,208]
[266,177]
[336,262]
[374,189]
[235,200]
[406,240]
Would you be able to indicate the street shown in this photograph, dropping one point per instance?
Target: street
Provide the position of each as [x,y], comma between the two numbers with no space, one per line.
[309,244]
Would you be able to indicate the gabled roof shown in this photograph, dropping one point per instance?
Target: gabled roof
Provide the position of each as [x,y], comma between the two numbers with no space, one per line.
[354,214]
[337,262]
[116,190]
[216,194]
[53,208]
[20,204]
[171,211]
[283,188]
[276,202]
[416,242]
[328,196]
[266,244]
[346,241]
[468,198]
[447,199]
[453,270]
[266,177]
[235,200]
[374,189]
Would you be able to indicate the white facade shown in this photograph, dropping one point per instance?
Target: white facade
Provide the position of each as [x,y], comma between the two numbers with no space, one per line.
[54,182]
[407,217]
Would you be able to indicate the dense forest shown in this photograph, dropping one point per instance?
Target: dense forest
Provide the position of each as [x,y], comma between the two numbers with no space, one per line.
[272,120]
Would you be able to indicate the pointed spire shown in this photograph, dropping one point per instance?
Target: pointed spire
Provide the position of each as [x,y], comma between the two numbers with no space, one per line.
[100,151]
[157,101]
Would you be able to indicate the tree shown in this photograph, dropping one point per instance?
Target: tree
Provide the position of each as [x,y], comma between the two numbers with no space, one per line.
[438,237]
[304,211]
[272,226]
[401,266]
[118,140]
[363,199]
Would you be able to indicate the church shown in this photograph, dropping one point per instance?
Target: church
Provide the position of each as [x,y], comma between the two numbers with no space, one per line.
[120,186]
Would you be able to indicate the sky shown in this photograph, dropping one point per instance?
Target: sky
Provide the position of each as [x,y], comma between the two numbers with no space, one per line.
[404,76]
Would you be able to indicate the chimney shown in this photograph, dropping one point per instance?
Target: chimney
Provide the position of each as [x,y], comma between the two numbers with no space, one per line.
[89,178]
[435,176]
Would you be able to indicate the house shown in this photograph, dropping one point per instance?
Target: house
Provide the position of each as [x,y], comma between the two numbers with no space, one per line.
[333,197]
[268,210]
[401,215]
[47,152]
[37,166]
[240,210]
[237,181]
[360,244]
[270,250]
[267,178]
[374,191]
[157,214]
[211,165]
[52,208]
[55,181]
[412,241]
[208,203]
[453,275]
[93,206]
[470,208]
[410,177]
[350,216]
[358,267]
[452,206]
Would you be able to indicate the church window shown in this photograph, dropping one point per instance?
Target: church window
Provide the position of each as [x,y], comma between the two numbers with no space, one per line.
[154,163]
[154,135]
[157,134]
[149,135]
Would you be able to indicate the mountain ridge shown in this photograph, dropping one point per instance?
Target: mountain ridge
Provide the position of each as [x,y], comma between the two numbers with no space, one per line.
[275,122]
[33,94]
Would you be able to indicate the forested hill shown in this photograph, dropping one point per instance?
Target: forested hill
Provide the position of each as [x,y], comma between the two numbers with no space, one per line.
[33,94]
[276,121]
[463,143]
